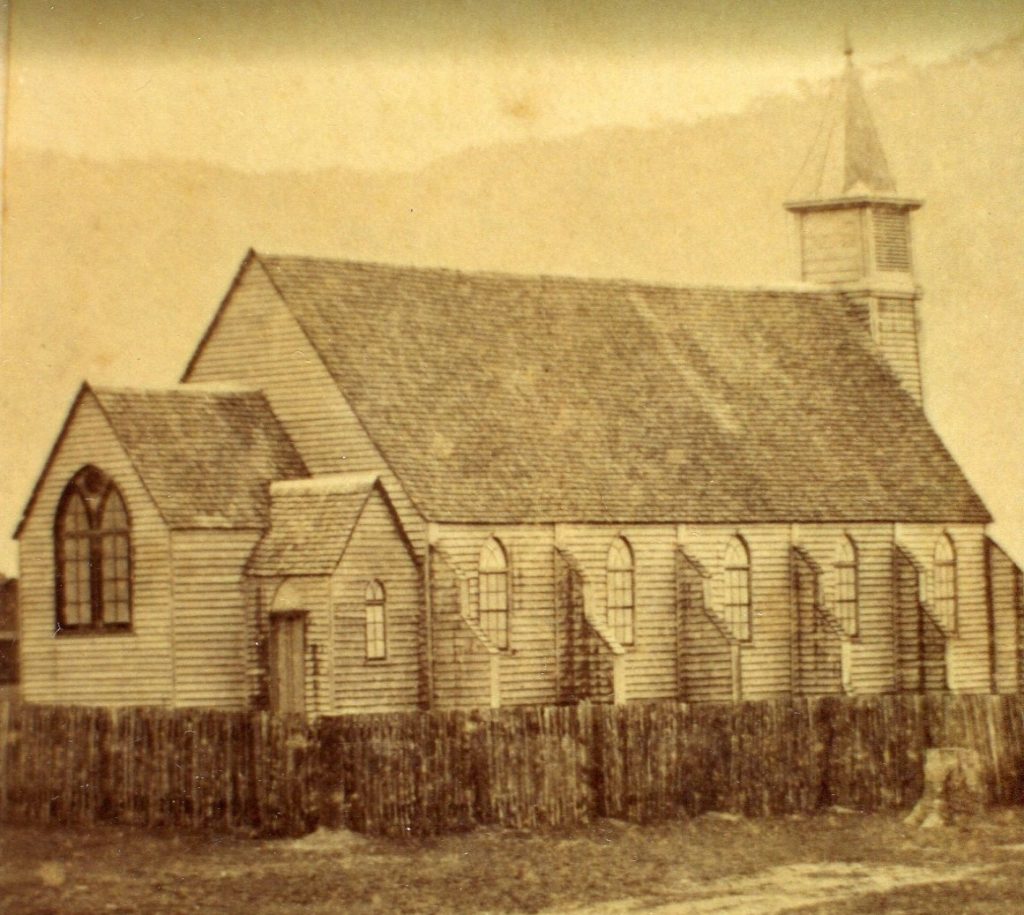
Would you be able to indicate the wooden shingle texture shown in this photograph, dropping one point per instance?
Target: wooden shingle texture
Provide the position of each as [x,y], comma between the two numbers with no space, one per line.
[499,398]
[206,457]
[309,529]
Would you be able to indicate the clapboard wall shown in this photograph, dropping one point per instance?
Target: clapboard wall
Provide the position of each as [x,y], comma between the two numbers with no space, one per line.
[528,669]
[376,551]
[111,668]
[1007,606]
[210,636]
[968,650]
[460,661]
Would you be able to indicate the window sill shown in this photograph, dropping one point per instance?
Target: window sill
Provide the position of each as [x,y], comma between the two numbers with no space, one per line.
[77,632]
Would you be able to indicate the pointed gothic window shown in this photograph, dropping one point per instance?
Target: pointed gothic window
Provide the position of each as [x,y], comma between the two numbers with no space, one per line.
[621,601]
[945,597]
[737,589]
[846,586]
[93,555]
[494,592]
[376,633]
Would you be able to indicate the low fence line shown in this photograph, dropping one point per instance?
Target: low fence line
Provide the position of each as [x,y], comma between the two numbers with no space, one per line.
[431,772]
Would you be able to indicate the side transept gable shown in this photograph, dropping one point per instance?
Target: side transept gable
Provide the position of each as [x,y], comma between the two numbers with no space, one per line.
[74,668]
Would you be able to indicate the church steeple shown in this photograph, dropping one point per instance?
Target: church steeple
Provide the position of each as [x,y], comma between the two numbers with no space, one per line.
[853,228]
[846,159]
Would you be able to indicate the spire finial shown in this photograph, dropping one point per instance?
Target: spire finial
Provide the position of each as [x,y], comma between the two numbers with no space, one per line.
[847,45]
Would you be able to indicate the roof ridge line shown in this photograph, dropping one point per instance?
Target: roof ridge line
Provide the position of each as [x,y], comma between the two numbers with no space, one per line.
[789,287]
[187,388]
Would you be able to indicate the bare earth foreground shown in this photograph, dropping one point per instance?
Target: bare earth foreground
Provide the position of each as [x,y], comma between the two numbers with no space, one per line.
[835,863]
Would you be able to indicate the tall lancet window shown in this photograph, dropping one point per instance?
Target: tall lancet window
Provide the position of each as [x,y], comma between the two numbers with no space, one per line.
[944,597]
[494,592]
[376,629]
[737,589]
[92,547]
[847,604]
[621,598]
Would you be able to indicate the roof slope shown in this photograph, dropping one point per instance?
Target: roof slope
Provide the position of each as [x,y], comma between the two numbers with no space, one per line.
[310,526]
[205,456]
[505,398]
[846,159]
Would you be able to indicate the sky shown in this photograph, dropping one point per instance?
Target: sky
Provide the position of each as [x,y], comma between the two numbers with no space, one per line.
[384,86]
[374,85]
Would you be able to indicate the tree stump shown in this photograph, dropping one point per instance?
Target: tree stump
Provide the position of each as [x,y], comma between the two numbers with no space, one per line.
[954,788]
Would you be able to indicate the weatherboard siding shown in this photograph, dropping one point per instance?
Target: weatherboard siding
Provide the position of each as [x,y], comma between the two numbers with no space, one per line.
[1006,596]
[705,649]
[831,246]
[897,338]
[528,671]
[460,662]
[872,649]
[969,648]
[666,661]
[257,342]
[652,660]
[210,620]
[133,668]
[765,660]
[376,551]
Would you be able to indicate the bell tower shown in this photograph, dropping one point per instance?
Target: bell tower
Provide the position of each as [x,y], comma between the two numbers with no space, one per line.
[853,228]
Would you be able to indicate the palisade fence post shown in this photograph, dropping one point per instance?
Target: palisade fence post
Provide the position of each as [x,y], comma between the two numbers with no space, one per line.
[5,750]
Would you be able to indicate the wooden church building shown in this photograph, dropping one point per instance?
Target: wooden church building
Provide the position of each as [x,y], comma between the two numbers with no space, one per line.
[386,488]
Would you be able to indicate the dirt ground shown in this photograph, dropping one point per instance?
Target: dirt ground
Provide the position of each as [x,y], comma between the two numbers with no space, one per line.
[833,863]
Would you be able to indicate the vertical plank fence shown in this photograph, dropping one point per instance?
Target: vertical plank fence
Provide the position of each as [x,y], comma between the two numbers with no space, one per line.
[422,773]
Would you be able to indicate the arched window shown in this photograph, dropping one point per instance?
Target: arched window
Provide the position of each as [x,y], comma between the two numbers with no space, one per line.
[847,586]
[945,583]
[93,554]
[376,631]
[494,592]
[621,602]
[737,588]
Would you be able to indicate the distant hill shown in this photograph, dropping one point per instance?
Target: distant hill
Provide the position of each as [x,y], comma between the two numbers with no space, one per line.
[113,270]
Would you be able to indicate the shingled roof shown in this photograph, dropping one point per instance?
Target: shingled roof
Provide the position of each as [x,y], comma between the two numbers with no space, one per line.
[311,522]
[499,398]
[206,457]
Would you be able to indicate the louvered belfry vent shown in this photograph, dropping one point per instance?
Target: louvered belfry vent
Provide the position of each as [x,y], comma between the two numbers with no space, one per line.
[892,239]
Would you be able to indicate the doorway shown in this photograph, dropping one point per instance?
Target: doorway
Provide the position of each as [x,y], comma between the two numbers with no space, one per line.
[288,663]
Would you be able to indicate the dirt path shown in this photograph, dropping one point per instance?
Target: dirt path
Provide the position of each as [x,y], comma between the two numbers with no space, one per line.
[782,889]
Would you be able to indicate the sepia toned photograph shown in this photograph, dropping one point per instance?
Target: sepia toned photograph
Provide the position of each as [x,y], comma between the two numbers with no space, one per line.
[543,457]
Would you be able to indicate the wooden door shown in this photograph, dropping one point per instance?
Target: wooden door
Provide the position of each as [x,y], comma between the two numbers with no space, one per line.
[287,663]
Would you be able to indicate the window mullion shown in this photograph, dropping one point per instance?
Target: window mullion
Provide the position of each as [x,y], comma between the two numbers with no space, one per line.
[96,577]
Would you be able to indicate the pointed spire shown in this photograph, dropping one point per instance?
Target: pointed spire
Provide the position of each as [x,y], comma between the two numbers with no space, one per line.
[846,159]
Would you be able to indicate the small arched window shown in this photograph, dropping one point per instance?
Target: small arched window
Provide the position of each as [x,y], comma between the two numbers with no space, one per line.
[93,554]
[847,586]
[737,589]
[494,592]
[621,599]
[376,629]
[945,583]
